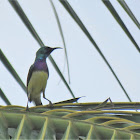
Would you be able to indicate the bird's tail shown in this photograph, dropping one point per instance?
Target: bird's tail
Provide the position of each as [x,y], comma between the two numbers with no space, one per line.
[37,101]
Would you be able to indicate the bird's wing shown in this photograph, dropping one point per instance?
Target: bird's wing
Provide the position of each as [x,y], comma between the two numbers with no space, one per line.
[30,74]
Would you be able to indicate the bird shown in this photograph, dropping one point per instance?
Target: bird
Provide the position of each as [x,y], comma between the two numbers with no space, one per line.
[38,75]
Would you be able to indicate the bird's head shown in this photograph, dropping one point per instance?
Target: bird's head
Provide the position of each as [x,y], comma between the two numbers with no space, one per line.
[44,52]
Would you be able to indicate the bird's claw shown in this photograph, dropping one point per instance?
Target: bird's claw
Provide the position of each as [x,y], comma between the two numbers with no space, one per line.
[27,109]
[50,104]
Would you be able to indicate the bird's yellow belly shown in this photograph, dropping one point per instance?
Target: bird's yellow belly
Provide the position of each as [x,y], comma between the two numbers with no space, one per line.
[37,84]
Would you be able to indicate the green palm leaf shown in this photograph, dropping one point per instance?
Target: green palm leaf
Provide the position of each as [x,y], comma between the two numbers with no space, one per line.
[68,124]
[11,70]
[121,23]
[3,96]
[81,25]
[62,77]
[62,36]
[26,21]
[129,12]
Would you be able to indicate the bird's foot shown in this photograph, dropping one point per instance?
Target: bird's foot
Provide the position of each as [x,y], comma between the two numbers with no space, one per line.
[27,109]
[50,104]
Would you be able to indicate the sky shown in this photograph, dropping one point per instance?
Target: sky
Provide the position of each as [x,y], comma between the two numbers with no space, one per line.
[90,76]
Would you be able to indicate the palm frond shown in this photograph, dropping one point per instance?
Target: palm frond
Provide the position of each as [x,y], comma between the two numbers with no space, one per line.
[62,77]
[121,23]
[10,68]
[62,36]
[68,124]
[129,12]
[81,25]
[26,21]
[3,96]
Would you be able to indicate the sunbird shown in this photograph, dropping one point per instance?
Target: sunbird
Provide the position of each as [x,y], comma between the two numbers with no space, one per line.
[38,75]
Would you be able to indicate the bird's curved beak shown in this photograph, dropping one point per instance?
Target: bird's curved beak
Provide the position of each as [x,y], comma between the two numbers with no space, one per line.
[49,50]
[57,48]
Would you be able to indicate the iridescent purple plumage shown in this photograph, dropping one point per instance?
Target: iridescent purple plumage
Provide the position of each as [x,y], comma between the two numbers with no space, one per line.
[40,65]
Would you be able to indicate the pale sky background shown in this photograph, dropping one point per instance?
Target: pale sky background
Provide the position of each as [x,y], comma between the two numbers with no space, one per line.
[90,76]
